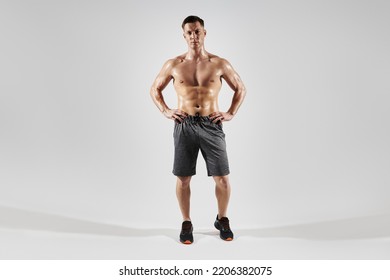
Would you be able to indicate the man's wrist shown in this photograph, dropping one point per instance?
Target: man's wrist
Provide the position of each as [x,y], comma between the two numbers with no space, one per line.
[230,113]
[165,110]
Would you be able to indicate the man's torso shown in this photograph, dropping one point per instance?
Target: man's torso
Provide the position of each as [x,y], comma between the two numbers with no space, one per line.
[197,84]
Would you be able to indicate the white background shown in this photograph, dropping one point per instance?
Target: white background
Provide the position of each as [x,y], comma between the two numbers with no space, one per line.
[80,136]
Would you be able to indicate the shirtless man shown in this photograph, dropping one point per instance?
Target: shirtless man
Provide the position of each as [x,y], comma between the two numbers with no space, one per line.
[197,78]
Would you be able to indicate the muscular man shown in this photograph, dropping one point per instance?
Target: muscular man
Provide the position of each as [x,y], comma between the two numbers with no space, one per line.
[197,78]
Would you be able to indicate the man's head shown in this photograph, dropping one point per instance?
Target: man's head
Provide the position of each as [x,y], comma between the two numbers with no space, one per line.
[192,19]
[193,31]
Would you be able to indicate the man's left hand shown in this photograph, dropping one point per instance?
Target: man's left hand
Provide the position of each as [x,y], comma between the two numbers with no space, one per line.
[218,117]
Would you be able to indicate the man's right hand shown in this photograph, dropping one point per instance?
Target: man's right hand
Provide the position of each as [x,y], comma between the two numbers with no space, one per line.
[176,115]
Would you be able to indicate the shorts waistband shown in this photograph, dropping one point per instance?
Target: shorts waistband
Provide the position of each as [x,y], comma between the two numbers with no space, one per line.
[197,118]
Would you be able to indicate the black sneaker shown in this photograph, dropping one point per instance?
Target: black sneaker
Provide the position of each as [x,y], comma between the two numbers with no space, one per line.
[186,233]
[224,228]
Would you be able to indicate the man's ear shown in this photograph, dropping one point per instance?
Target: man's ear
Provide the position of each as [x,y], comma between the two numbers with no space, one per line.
[204,32]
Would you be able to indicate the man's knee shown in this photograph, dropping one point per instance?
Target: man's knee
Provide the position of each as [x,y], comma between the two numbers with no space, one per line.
[183,181]
[222,181]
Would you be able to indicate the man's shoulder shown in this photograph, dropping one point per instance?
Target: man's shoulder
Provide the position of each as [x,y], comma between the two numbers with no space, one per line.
[176,60]
[171,63]
[218,60]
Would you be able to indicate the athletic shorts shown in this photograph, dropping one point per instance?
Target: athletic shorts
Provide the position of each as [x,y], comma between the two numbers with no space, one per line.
[199,133]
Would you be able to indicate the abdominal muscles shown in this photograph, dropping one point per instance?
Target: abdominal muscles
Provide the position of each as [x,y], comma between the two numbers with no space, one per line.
[198,100]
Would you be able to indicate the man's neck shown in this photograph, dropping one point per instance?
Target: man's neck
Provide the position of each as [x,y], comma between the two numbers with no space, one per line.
[197,54]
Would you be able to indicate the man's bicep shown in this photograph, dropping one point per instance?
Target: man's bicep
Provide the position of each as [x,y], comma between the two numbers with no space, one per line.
[231,76]
[162,81]
[164,77]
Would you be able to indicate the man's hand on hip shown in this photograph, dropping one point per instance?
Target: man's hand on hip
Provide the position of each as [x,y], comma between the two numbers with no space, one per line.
[218,117]
[175,114]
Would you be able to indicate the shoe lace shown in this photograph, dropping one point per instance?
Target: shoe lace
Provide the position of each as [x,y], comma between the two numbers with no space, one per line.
[225,223]
[186,227]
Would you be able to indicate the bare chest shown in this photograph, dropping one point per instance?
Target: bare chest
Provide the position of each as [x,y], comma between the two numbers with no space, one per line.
[202,74]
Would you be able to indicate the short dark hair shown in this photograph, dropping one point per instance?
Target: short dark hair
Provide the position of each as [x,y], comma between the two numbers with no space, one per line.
[192,19]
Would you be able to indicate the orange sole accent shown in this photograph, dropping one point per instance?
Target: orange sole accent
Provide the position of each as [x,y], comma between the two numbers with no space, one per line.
[229,239]
[187,242]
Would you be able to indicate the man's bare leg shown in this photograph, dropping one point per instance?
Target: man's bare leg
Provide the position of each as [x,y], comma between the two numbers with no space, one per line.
[183,193]
[222,192]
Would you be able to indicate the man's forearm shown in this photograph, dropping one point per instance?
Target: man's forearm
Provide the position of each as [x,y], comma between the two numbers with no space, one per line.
[158,99]
[237,100]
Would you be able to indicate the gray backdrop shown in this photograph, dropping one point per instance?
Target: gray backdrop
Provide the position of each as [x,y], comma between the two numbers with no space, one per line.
[80,136]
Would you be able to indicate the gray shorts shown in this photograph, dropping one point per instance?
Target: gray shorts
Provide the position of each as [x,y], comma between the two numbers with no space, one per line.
[199,133]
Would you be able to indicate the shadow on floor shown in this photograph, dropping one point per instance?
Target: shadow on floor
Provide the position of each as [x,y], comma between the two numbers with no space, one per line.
[353,228]
[13,218]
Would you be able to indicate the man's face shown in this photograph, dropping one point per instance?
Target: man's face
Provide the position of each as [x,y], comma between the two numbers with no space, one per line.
[194,34]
